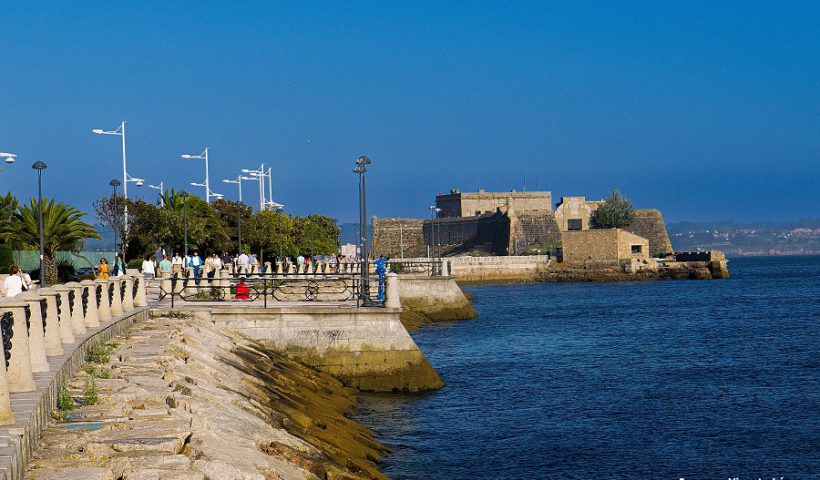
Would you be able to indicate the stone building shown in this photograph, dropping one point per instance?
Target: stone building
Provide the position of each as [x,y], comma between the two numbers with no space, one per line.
[509,223]
[457,204]
[605,246]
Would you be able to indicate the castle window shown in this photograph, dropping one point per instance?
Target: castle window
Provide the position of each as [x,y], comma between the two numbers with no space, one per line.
[574,224]
[636,249]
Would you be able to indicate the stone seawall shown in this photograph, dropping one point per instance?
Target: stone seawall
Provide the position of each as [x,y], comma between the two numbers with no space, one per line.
[427,299]
[186,399]
[496,269]
[366,348]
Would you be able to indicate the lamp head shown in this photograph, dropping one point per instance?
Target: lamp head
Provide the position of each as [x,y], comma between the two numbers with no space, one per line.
[139,183]
[186,156]
[359,168]
[38,165]
[98,131]
[10,159]
[363,160]
[115,183]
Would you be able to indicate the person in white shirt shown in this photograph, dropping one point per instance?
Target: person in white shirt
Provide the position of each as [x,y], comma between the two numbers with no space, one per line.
[148,268]
[13,284]
[242,262]
[196,263]
[177,263]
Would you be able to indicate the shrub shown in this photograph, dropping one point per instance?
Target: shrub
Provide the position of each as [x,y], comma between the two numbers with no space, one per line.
[616,211]
[64,401]
[90,396]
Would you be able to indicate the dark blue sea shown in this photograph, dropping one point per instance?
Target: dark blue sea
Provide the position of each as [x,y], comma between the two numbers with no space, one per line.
[641,380]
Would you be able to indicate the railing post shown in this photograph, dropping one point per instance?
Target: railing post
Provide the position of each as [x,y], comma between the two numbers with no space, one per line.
[6,415]
[92,311]
[391,296]
[141,298]
[54,346]
[20,376]
[103,303]
[64,314]
[128,298]
[114,295]
[75,302]
[36,335]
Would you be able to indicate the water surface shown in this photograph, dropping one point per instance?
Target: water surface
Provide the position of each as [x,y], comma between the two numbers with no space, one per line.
[665,379]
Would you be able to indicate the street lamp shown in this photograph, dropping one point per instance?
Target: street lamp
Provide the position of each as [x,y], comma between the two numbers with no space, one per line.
[259,174]
[40,166]
[184,196]
[433,239]
[361,169]
[207,184]
[114,184]
[161,188]
[125,177]
[9,157]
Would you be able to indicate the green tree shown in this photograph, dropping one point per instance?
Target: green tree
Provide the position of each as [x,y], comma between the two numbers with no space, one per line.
[63,229]
[616,211]
[8,206]
[272,232]
[230,215]
[138,241]
[205,231]
[316,234]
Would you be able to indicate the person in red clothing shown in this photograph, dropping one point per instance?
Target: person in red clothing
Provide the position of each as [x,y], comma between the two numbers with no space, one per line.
[242,290]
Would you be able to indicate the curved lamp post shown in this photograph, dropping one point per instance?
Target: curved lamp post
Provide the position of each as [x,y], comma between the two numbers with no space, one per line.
[207,183]
[114,184]
[40,166]
[125,176]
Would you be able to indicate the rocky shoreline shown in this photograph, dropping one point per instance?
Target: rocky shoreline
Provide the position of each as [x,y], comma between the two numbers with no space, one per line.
[186,399]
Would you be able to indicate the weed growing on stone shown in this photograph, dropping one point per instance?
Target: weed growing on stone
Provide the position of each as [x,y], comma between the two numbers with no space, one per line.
[64,401]
[90,392]
[98,372]
[99,353]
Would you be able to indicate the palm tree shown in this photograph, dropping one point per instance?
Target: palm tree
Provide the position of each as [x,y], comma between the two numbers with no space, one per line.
[63,229]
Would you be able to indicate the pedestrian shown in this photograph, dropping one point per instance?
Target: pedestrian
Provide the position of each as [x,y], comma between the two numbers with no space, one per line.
[242,262]
[103,268]
[242,290]
[195,262]
[13,285]
[119,267]
[381,269]
[165,266]
[177,263]
[148,268]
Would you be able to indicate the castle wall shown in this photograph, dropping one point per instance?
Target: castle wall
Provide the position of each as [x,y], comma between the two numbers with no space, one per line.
[532,231]
[470,204]
[602,246]
[649,224]
[392,235]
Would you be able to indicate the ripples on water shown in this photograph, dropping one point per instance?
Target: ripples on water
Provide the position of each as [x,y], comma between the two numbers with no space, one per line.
[666,379]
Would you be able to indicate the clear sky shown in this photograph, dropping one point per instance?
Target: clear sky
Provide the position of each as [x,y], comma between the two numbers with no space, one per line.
[704,110]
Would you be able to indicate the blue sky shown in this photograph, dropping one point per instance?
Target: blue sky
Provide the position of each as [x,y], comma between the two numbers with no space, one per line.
[704,110]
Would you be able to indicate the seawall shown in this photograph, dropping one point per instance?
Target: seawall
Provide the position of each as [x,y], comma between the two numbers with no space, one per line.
[366,348]
[188,399]
[426,299]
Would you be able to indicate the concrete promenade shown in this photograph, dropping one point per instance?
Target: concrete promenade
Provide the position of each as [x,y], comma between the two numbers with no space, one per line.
[46,335]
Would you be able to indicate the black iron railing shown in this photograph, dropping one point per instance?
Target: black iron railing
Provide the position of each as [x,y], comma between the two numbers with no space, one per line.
[321,287]
[432,268]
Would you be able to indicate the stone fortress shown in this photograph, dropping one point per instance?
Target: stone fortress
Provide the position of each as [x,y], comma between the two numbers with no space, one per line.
[521,223]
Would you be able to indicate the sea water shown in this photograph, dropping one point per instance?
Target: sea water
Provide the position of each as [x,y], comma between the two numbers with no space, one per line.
[662,379]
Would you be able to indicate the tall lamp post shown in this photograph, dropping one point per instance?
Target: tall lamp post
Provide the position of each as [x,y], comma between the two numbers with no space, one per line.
[114,184]
[238,181]
[361,169]
[184,196]
[433,239]
[161,188]
[125,177]
[207,184]
[40,166]
[259,174]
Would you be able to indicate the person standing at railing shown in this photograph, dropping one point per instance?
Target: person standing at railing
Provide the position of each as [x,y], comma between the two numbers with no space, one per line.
[165,267]
[196,264]
[381,270]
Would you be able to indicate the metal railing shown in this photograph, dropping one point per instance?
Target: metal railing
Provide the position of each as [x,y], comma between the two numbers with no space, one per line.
[431,268]
[245,287]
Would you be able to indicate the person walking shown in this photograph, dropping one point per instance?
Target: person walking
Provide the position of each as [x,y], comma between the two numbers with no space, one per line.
[165,266]
[148,268]
[119,267]
[103,269]
[177,264]
[196,263]
[13,284]
[381,270]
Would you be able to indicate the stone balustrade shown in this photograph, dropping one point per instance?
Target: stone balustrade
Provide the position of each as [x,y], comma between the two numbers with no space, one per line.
[46,322]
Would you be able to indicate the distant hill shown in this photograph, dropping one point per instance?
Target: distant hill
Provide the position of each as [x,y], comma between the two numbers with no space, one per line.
[800,237]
